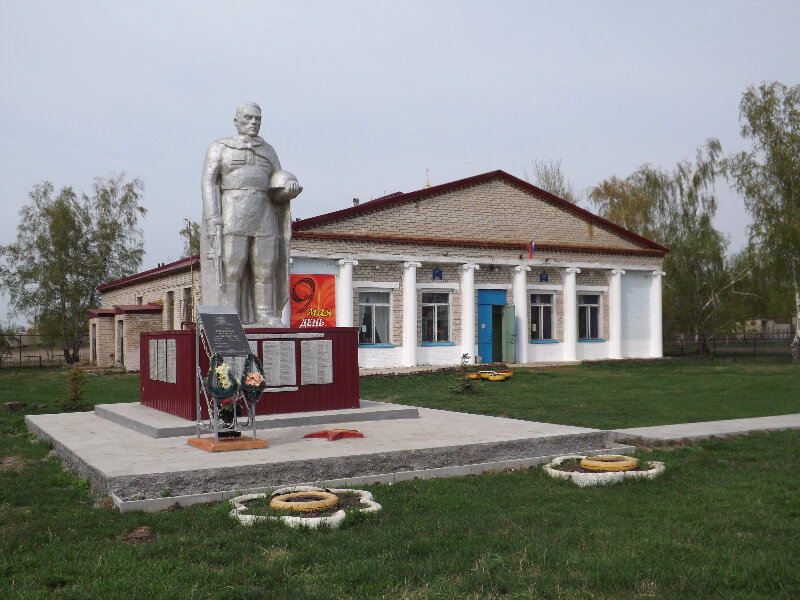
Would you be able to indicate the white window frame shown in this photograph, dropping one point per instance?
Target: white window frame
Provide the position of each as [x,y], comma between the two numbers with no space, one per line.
[375,290]
[449,304]
[552,305]
[588,309]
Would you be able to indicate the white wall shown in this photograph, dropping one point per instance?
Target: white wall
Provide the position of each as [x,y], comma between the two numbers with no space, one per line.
[380,358]
[440,355]
[546,352]
[636,314]
[592,350]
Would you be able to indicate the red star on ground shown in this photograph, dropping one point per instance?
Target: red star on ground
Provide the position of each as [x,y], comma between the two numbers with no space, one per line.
[335,434]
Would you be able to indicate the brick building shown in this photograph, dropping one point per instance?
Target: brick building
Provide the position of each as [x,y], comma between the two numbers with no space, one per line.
[432,275]
[160,298]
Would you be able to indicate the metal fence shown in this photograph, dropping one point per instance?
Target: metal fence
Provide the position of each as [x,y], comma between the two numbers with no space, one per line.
[731,346]
[32,350]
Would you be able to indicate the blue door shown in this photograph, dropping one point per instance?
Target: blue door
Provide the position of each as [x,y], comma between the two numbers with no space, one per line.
[487,301]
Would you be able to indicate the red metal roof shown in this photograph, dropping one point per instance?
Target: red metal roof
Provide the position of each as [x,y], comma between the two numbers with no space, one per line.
[178,266]
[100,312]
[397,199]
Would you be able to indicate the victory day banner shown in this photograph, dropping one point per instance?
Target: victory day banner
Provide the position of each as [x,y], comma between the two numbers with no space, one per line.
[313,300]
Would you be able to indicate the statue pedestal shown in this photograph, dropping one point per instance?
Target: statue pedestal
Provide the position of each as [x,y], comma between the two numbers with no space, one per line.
[307,369]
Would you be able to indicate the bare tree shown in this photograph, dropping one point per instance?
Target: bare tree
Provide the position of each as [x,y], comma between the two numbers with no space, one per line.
[549,176]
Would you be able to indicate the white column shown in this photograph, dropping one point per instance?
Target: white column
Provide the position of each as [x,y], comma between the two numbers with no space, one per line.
[520,284]
[410,313]
[615,312]
[468,310]
[570,313]
[656,331]
[344,293]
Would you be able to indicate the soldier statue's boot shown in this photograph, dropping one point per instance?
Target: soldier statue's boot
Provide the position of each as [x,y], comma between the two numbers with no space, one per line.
[265,306]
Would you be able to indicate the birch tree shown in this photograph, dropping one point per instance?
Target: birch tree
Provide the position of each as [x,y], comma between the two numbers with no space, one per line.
[675,209]
[768,177]
[66,246]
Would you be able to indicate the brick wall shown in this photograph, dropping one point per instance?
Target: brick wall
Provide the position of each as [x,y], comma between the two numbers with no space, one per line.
[451,276]
[597,278]
[493,210]
[132,326]
[103,338]
[155,291]
[383,272]
[336,248]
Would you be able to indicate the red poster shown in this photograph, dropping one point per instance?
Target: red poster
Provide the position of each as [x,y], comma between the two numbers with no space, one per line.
[313,300]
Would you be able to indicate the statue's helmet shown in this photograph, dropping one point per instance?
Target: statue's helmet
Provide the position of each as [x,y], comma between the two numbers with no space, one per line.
[278,184]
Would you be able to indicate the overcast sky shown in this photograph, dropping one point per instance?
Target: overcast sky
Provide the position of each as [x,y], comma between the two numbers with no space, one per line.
[360,98]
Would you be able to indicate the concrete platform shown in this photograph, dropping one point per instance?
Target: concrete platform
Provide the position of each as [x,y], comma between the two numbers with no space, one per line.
[707,429]
[158,424]
[142,471]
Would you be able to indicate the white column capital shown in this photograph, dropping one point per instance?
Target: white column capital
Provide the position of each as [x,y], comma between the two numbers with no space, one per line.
[617,272]
[468,266]
[657,274]
[344,293]
[519,268]
[572,270]
[412,264]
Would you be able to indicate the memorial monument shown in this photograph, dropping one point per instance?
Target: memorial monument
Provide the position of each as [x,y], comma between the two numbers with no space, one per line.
[240,347]
[246,224]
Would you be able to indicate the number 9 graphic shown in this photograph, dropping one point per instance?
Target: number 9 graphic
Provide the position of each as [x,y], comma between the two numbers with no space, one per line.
[300,294]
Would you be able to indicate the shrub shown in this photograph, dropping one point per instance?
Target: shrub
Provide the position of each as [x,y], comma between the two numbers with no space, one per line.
[73,400]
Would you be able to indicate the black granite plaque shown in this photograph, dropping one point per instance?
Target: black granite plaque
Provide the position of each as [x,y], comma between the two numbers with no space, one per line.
[223,330]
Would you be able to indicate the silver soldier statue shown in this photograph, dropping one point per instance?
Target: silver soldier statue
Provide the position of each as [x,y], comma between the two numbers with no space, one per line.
[246,229]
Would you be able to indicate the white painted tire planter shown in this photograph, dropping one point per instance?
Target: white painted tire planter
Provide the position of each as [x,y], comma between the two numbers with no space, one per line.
[600,478]
[239,511]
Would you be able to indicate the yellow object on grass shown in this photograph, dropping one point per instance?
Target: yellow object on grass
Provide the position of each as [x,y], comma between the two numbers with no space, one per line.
[609,462]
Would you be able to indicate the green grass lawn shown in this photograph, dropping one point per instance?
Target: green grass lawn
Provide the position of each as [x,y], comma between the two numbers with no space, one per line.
[723,522]
[604,395]
[38,388]
[612,395]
